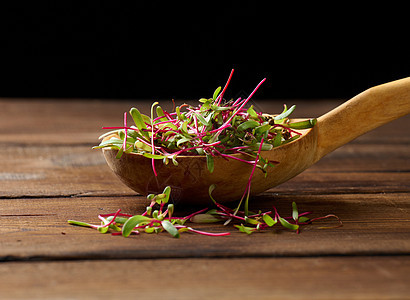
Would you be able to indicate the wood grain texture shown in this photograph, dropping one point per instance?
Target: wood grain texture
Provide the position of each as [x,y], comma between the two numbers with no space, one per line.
[49,174]
[37,228]
[243,278]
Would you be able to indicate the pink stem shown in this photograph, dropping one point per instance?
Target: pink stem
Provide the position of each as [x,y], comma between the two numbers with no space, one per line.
[237,101]
[227,123]
[113,219]
[195,213]
[124,145]
[221,95]
[202,232]
[113,214]
[236,158]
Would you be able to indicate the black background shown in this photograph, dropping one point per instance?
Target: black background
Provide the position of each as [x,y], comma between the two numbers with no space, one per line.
[184,50]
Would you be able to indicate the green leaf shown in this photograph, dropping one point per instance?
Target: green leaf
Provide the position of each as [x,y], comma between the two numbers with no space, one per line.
[174,161]
[251,221]
[285,113]
[143,146]
[303,219]
[277,141]
[184,229]
[268,220]
[103,229]
[218,89]
[167,193]
[205,218]
[247,125]
[78,223]
[120,152]
[303,124]
[139,121]
[149,229]
[220,108]
[295,213]
[154,156]
[245,229]
[212,187]
[183,140]
[184,127]
[181,117]
[160,113]
[167,225]
[112,142]
[287,225]
[159,198]
[170,209]
[132,222]
[210,163]
[202,119]
[252,112]
[246,205]
[265,146]
[203,100]
[263,128]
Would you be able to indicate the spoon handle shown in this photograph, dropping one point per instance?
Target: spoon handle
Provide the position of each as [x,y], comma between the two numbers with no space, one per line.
[368,110]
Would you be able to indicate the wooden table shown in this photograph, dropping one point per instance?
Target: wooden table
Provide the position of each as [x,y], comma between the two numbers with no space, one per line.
[49,174]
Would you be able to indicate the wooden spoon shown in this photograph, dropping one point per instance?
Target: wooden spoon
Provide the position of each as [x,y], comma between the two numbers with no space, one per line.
[190,180]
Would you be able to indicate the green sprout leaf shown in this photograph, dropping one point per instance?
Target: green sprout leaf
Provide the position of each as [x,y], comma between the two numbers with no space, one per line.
[295,213]
[132,222]
[252,112]
[216,93]
[78,223]
[205,218]
[303,124]
[303,219]
[288,225]
[210,163]
[268,220]
[212,187]
[139,122]
[210,129]
[167,193]
[245,229]
[160,113]
[103,229]
[248,124]
[167,225]
[286,113]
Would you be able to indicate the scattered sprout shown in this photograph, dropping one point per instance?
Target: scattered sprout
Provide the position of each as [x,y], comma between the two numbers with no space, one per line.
[216,127]
[161,220]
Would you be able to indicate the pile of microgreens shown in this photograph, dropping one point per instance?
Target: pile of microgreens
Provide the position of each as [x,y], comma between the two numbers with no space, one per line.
[215,127]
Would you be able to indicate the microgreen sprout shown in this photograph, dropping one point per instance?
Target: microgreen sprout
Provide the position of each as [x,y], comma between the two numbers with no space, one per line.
[161,220]
[215,127]
[150,221]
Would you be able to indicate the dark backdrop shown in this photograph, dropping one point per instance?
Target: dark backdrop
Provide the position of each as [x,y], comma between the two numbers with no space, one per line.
[183,50]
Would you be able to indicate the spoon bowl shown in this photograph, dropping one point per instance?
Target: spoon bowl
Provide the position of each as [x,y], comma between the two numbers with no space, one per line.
[190,180]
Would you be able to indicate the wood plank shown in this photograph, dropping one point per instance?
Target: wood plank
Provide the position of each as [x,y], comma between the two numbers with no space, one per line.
[375,224]
[76,121]
[57,170]
[267,278]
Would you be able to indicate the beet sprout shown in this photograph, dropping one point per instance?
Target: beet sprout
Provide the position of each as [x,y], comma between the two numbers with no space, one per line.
[215,127]
[221,95]
[125,131]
